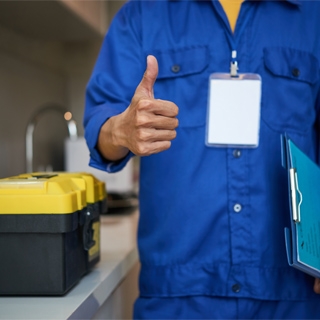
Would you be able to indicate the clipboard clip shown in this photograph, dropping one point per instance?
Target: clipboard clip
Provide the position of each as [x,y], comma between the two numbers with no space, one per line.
[295,194]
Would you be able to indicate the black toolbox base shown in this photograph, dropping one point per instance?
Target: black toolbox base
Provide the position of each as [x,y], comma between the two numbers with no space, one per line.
[41,263]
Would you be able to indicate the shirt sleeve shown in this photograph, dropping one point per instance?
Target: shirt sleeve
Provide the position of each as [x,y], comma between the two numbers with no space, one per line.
[117,72]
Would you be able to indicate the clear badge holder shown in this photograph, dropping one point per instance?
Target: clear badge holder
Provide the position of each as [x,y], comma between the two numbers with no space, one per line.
[234,103]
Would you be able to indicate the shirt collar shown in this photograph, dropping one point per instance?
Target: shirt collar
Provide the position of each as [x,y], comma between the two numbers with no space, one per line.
[295,2]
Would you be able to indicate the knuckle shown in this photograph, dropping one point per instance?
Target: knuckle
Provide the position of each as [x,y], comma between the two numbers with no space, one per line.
[144,104]
[142,135]
[144,121]
[139,135]
[140,121]
[141,150]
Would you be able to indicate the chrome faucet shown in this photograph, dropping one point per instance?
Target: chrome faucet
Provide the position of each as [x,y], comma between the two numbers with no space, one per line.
[67,115]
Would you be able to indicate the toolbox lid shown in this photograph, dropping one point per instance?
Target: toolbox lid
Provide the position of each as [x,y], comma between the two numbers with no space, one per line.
[42,194]
[95,189]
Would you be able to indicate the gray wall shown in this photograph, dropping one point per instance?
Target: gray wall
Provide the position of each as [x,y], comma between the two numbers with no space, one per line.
[34,73]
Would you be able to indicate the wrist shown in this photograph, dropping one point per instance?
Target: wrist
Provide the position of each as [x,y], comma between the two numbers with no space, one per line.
[113,131]
[109,141]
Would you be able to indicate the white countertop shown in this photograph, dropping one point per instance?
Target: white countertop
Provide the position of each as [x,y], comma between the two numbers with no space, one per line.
[118,255]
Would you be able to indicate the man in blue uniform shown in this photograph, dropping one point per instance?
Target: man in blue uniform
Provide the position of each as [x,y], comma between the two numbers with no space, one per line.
[211,229]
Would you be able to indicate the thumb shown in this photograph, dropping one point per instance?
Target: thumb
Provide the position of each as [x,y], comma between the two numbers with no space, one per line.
[145,87]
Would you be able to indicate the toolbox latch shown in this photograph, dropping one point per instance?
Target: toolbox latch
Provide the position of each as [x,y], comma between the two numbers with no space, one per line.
[88,215]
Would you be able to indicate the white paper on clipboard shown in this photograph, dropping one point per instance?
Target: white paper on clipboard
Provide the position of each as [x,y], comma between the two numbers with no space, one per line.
[234,105]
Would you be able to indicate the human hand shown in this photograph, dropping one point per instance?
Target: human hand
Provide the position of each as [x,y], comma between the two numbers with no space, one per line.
[148,125]
[316,286]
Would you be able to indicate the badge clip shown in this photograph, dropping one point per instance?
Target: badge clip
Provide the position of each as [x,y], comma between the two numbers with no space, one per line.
[234,64]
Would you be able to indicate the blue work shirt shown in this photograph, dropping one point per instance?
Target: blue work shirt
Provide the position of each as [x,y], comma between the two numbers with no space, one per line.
[212,219]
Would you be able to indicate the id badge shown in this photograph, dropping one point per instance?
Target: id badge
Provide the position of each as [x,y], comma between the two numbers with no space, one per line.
[234,104]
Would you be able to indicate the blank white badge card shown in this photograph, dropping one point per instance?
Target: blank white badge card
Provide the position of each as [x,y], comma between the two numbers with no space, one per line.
[234,110]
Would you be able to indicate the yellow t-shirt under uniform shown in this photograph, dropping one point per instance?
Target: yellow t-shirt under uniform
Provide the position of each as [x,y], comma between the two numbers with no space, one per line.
[232,9]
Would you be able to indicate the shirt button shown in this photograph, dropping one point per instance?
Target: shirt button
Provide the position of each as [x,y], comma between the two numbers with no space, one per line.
[295,72]
[236,288]
[237,153]
[237,207]
[175,68]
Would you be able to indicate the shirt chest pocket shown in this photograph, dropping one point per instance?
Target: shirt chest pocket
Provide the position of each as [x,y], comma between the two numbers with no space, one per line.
[183,80]
[288,89]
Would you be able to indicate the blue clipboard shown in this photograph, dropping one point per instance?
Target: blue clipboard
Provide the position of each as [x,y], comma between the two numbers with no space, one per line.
[303,238]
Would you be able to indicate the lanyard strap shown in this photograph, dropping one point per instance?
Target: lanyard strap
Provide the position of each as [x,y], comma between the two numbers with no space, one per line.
[234,44]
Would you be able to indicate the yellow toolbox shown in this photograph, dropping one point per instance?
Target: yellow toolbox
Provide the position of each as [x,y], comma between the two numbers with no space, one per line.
[49,231]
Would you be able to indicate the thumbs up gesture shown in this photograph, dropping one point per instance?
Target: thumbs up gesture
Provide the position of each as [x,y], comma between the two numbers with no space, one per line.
[146,127]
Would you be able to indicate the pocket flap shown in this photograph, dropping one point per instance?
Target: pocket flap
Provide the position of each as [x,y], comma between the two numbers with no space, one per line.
[181,62]
[292,63]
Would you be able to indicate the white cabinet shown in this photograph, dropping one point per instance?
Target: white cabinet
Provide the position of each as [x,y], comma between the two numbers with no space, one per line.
[60,20]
